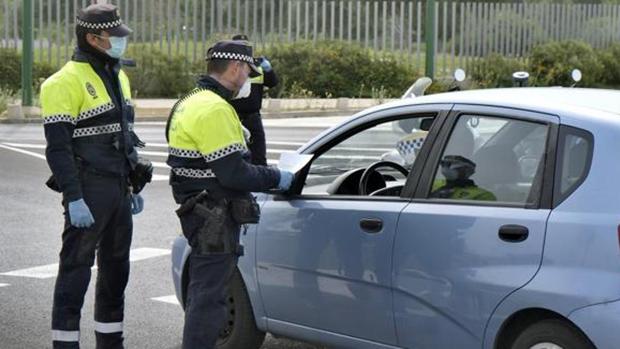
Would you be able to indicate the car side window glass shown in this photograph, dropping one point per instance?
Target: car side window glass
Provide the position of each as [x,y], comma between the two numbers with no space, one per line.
[338,170]
[491,159]
[574,160]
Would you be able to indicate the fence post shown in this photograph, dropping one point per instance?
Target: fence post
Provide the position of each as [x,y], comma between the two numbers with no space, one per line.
[27,52]
[430,38]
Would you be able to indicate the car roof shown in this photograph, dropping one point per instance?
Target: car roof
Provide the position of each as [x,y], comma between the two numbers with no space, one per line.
[572,103]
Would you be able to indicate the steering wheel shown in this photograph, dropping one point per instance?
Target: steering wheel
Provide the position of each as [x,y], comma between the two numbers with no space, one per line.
[372,168]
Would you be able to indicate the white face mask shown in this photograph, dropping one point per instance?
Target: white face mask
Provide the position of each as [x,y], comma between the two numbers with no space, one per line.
[244,91]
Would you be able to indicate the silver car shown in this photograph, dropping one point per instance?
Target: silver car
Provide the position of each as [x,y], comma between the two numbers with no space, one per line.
[477,219]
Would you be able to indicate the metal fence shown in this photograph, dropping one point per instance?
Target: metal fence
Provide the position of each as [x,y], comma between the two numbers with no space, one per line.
[464,30]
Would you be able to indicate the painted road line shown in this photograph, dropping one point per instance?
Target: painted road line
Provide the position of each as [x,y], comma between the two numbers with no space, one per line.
[50,270]
[157,178]
[172,299]
[26,145]
[36,155]
[4,285]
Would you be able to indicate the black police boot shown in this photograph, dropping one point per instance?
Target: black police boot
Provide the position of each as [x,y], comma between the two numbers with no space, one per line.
[109,340]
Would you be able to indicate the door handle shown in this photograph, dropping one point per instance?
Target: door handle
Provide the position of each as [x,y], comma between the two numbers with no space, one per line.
[513,233]
[371,225]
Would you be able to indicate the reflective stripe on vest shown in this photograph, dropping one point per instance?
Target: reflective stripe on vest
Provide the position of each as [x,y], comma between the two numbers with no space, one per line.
[259,79]
[193,173]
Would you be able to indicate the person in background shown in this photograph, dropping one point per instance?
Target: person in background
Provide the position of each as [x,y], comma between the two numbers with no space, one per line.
[248,108]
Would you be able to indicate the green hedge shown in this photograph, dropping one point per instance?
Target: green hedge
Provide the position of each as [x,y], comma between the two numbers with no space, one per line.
[551,64]
[336,69]
[10,71]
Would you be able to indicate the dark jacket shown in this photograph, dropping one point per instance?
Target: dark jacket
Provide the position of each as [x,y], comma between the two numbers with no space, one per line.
[253,103]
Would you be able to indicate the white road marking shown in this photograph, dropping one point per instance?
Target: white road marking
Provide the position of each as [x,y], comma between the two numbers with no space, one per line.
[26,145]
[4,285]
[157,178]
[172,299]
[36,155]
[50,270]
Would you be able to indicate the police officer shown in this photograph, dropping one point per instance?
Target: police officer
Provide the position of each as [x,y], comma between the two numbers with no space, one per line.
[457,171]
[212,177]
[88,121]
[248,108]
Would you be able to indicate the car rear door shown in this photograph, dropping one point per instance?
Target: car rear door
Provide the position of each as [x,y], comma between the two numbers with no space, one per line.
[463,245]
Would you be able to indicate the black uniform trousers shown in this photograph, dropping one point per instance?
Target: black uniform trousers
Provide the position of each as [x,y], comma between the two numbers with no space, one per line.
[209,275]
[108,199]
[258,146]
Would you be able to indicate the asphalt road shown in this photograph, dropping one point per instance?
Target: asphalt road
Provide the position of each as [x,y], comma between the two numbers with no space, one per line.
[31,224]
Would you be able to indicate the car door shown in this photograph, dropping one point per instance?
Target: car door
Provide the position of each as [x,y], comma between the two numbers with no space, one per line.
[475,229]
[324,255]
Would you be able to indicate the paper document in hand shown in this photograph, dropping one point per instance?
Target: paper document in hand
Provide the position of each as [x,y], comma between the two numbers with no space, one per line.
[293,162]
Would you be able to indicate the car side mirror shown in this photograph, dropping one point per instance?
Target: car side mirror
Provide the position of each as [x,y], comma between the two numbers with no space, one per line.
[426,124]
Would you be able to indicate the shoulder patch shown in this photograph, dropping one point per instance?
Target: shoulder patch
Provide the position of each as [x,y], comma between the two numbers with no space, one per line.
[91,90]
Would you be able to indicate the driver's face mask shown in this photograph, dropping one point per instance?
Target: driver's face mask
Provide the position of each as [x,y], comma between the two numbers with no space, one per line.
[450,173]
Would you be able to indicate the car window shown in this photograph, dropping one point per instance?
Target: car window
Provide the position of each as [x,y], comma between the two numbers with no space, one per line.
[491,159]
[574,160]
[337,170]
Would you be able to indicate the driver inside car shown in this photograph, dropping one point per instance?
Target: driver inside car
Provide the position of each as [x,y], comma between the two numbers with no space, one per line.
[457,184]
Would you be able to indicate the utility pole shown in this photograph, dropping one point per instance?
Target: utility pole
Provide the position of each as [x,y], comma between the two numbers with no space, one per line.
[430,38]
[27,53]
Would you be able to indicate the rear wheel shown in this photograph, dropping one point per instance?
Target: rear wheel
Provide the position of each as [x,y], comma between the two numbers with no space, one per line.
[551,334]
[240,329]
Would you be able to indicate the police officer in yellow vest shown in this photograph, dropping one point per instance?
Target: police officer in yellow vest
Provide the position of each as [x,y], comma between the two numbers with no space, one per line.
[457,185]
[248,108]
[211,178]
[88,120]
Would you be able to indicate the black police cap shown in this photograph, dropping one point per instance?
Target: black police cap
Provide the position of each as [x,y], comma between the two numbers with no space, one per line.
[241,37]
[233,50]
[103,17]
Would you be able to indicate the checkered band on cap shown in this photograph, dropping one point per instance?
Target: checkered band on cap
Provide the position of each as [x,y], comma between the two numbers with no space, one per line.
[231,56]
[104,25]
[409,146]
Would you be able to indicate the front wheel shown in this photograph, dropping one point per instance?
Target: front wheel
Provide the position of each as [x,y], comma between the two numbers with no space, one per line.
[551,334]
[240,330]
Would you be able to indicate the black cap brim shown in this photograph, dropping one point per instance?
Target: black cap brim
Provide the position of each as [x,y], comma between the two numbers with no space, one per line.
[121,31]
[254,71]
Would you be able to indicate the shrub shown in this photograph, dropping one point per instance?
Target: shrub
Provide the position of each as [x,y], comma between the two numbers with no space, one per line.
[335,69]
[158,76]
[6,96]
[10,71]
[611,63]
[551,64]
[495,71]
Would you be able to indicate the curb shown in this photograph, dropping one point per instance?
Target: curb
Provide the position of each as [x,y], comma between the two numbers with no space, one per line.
[153,117]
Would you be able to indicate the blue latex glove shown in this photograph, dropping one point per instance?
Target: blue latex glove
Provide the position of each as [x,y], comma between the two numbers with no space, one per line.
[80,215]
[286,178]
[137,203]
[265,64]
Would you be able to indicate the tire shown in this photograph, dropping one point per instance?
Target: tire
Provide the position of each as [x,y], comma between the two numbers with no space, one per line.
[551,334]
[240,329]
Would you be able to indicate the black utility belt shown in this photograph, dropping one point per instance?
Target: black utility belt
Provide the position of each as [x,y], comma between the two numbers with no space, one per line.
[242,210]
